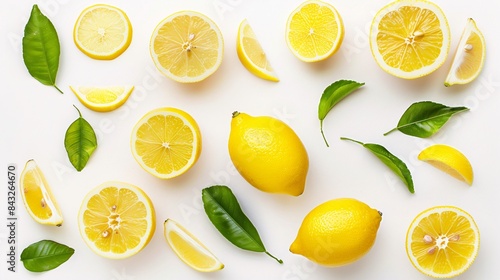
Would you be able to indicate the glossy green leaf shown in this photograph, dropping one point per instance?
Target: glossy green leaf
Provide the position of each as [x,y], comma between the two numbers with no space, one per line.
[80,142]
[225,213]
[45,255]
[391,161]
[423,119]
[332,95]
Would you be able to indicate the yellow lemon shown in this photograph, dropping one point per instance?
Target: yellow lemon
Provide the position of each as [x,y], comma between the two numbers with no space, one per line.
[116,220]
[442,241]
[268,154]
[337,232]
[314,31]
[37,196]
[189,249]
[449,160]
[410,38]
[102,99]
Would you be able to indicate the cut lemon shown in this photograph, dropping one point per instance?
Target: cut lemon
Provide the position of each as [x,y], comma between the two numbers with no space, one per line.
[410,38]
[449,160]
[102,32]
[251,54]
[469,56]
[189,249]
[102,99]
[37,196]
[187,47]
[442,242]
[166,142]
[314,31]
[116,220]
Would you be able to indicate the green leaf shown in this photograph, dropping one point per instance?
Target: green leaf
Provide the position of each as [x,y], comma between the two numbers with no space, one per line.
[225,213]
[45,255]
[41,48]
[331,96]
[423,119]
[390,160]
[80,142]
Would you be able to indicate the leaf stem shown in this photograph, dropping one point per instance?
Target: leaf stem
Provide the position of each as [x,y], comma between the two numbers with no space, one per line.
[322,133]
[278,260]
[58,89]
[352,140]
[385,134]
[79,113]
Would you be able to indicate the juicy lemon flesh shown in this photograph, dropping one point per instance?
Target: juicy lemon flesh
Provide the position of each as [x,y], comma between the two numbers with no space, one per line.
[472,61]
[102,99]
[191,255]
[102,96]
[450,161]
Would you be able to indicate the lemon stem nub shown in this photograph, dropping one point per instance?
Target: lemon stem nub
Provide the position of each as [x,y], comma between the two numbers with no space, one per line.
[278,260]
[235,114]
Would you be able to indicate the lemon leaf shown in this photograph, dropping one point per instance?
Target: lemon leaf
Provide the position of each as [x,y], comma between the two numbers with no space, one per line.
[45,255]
[80,142]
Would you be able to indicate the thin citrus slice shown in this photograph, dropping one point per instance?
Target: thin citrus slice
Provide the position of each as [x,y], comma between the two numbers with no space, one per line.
[442,241]
[469,56]
[187,47]
[251,54]
[102,32]
[189,249]
[166,142]
[37,196]
[314,31]
[449,160]
[116,220]
[102,99]
[410,38]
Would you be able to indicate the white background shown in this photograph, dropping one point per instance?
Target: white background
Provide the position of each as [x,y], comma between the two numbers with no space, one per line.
[35,118]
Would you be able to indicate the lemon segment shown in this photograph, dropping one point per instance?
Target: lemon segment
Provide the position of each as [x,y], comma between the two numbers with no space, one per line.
[314,31]
[410,38]
[442,242]
[116,220]
[449,160]
[37,196]
[189,249]
[166,142]
[469,56]
[102,32]
[102,99]
[187,47]
[251,54]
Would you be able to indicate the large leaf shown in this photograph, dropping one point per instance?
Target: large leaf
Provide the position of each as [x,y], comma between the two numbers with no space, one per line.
[80,142]
[41,48]
[45,255]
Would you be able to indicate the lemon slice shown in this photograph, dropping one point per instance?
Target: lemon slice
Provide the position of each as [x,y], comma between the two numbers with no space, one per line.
[442,241]
[189,249]
[187,47]
[102,32]
[449,160]
[37,196]
[314,31]
[251,54]
[116,220]
[166,142]
[469,56]
[102,99]
[410,38]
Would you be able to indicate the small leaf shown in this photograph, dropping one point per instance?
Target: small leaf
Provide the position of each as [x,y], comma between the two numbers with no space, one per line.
[80,142]
[225,213]
[394,163]
[45,255]
[423,119]
[331,96]
[41,48]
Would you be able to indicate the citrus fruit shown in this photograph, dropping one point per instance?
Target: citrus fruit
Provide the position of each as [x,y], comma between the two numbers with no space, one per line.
[469,56]
[37,196]
[337,232]
[166,142]
[314,31]
[442,241]
[116,220]
[449,160]
[189,249]
[102,32]
[251,54]
[410,38]
[187,46]
[268,154]
[102,99]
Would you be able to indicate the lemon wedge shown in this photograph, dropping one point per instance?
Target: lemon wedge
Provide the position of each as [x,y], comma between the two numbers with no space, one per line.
[102,99]
[449,160]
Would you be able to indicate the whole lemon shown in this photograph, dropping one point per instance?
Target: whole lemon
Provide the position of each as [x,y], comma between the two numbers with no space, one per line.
[268,154]
[337,232]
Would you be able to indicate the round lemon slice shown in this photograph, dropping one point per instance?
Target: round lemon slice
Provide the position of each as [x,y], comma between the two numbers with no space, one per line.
[449,160]
[189,249]
[102,99]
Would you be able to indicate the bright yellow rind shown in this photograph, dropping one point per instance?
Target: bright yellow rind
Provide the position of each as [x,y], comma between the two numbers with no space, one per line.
[102,99]
[449,160]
